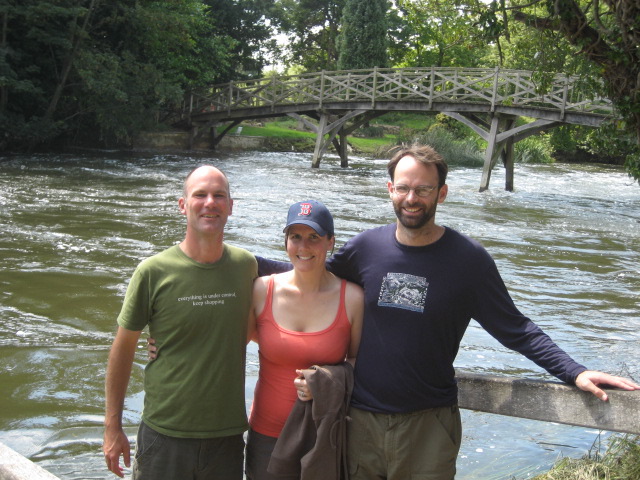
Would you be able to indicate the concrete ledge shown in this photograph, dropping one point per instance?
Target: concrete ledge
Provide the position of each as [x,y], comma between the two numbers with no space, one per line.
[549,402]
[179,140]
[14,466]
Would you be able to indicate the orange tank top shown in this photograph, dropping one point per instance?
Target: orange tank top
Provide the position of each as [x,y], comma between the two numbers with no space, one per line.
[281,352]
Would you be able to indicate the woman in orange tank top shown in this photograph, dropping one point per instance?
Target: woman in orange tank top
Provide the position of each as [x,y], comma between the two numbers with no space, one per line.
[303,317]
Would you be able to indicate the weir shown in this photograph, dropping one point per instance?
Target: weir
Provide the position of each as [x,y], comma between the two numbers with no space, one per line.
[524,398]
[497,104]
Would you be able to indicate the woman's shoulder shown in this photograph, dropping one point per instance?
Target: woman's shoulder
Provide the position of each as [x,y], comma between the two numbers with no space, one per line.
[354,303]
[261,285]
[353,291]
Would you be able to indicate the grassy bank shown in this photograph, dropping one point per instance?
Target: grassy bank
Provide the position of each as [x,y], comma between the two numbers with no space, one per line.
[620,461]
[455,141]
[291,130]
[378,137]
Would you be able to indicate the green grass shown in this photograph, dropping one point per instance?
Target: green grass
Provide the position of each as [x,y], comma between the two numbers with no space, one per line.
[405,128]
[372,145]
[273,130]
[413,121]
[287,129]
[621,461]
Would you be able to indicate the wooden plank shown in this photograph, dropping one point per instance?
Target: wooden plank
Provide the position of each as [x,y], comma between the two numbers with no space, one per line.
[14,466]
[549,402]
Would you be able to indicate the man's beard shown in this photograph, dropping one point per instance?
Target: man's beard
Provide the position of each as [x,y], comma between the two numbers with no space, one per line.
[414,223]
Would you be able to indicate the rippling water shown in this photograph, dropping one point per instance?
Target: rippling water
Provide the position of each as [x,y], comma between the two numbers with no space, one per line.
[74,226]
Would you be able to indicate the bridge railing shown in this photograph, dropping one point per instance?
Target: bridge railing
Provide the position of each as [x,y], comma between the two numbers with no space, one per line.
[492,87]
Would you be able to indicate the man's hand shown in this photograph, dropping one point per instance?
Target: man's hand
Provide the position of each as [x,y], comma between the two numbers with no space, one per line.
[590,379]
[119,366]
[115,444]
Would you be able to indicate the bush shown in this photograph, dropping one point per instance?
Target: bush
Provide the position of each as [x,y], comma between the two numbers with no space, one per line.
[534,149]
[369,132]
[453,126]
[621,461]
[454,150]
[565,138]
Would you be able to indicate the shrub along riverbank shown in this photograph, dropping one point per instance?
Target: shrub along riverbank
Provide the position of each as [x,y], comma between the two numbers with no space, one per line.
[620,461]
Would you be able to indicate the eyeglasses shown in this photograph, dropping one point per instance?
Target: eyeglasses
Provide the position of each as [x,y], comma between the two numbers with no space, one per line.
[421,191]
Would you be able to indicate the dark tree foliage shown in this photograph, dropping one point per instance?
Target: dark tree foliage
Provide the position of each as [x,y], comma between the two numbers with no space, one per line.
[606,32]
[250,24]
[99,72]
[363,39]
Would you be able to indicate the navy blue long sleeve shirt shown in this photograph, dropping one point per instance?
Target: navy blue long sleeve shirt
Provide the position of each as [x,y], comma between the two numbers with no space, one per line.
[418,304]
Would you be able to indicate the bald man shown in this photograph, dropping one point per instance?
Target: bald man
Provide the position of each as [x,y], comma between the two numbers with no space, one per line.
[195,299]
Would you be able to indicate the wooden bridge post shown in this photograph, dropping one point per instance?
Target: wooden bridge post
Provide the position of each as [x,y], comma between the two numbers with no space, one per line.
[213,136]
[500,142]
[490,152]
[337,129]
[318,151]
[342,149]
[193,134]
[509,161]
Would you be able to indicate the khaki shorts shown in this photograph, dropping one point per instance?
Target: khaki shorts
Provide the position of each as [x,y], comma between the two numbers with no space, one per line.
[421,445]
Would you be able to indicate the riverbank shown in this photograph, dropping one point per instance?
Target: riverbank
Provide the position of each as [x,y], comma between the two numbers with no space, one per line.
[179,141]
[450,138]
[621,460]
[289,135]
[259,138]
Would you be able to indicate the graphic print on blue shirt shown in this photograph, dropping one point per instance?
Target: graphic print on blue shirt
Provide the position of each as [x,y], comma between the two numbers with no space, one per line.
[401,290]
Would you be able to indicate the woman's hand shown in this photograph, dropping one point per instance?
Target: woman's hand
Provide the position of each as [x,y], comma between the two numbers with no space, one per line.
[302,388]
[152,350]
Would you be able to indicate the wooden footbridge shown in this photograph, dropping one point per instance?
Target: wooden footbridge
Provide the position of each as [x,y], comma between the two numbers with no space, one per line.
[334,104]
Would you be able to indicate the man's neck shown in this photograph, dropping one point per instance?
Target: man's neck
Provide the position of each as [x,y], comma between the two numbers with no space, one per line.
[207,250]
[419,237]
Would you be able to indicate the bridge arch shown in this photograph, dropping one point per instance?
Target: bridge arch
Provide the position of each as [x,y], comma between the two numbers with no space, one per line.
[334,104]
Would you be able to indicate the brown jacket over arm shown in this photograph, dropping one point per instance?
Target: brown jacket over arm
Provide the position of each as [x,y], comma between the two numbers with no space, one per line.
[312,443]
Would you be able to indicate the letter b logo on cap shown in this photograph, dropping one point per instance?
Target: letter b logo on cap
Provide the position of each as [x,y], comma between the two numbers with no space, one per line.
[305,209]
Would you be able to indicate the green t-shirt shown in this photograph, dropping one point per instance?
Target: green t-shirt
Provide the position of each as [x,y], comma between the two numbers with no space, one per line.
[197,314]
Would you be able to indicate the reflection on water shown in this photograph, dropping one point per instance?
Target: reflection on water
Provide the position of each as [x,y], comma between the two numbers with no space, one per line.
[74,227]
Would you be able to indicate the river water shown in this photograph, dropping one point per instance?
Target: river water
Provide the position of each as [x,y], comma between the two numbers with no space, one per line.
[567,242]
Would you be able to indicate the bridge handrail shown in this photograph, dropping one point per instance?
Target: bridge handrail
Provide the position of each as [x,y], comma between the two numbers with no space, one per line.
[494,87]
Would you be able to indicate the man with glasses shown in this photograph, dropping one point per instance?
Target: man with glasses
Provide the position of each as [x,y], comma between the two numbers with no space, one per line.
[423,283]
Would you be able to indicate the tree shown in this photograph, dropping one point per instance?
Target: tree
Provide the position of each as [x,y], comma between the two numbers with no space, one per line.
[363,40]
[312,28]
[38,47]
[96,70]
[250,24]
[437,33]
[607,33]
[139,61]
